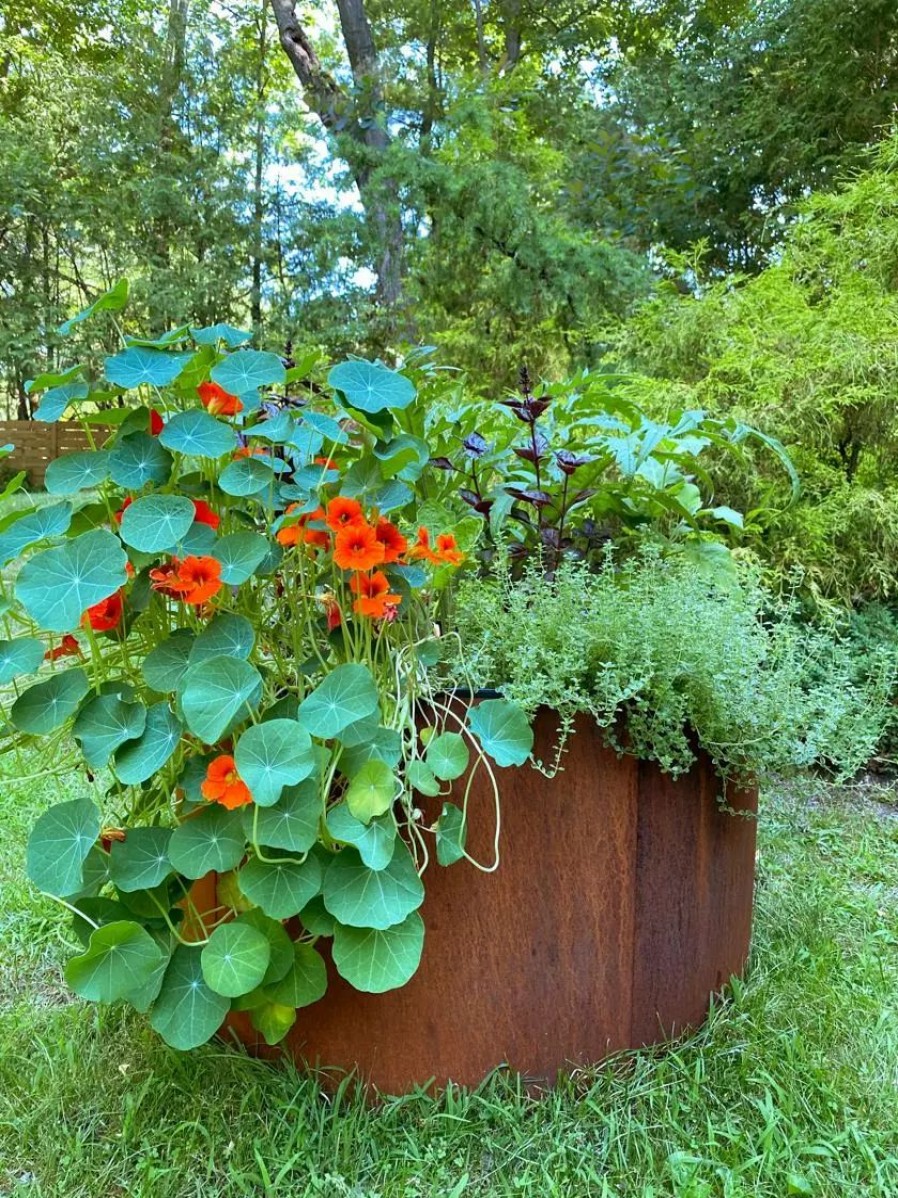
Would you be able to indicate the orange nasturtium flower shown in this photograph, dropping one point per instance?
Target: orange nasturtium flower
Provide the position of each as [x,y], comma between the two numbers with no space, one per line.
[192,580]
[374,596]
[203,514]
[250,451]
[105,615]
[344,513]
[391,538]
[157,424]
[218,401]
[446,553]
[356,547]
[224,785]
[67,647]
[299,534]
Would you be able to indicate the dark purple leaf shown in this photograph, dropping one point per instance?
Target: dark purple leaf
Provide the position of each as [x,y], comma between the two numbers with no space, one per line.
[539,499]
[568,462]
[471,498]
[475,446]
[550,537]
[534,452]
[442,464]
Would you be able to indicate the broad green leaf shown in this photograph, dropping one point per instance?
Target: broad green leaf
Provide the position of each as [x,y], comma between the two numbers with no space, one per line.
[380,744]
[218,693]
[371,791]
[421,777]
[156,522]
[140,759]
[48,704]
[226,635]
[198,434]
[292,823]
[210,840]
[140,861]
[120,959]
[105,723]
[112,300]
[59,844]
[198,541]
[273,1020]
[279,943]
[403,457]
[58,585]
[316,919]
[165,666]
[374,841]
[305,981]
[247,370]
[235,959]
[163,341]
[247,476]
[451,835]
[371,387]
[347,694]
[378,960]
[728,515]
[138,459]
[447,755]
[372,898]
[239,553]
[283,887]
[272,755]
[77,471]
[53,378]
[213,333]
[330,429]
[22,656]
[54,402]
[135,365]
[50,521]
[187,1012]
[503,730]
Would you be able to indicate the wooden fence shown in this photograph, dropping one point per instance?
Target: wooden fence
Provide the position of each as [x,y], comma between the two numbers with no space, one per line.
[37,444]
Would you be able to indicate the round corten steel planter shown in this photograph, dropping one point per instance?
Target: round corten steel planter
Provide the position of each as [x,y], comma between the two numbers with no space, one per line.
[622,903]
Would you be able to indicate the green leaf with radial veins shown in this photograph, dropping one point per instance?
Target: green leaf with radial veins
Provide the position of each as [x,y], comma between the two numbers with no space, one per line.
[56,586]
[378,960]
[165,666]
[239,553]
[226,635]
[272,755]
[156,522]
[112,300]
[283,887]
[218,693]
[120,958]
[48,704]
[235,959]
[371,387]
[347,694]
[305,981]
[292,823]
[198,434]
[375,841]
[134,366]
[77,471]
[368,898]
[50,521]
[451,834]
[54,402]
[447,755]
[140,759]
[273,1020]
[279,943]
[105,723]
[59,844]
[138,459]
[213,333]
[372,790]
[421,778]
[381,744]
[140,861]
[211,840]
[23,656]
[248,476]
[187,1012]
[247,370]
[503,731]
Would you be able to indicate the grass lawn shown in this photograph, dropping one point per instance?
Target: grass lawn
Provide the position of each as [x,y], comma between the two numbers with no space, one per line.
[792,1088]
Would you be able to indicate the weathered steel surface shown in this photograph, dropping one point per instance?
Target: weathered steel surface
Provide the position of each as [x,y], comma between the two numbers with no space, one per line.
[623,900]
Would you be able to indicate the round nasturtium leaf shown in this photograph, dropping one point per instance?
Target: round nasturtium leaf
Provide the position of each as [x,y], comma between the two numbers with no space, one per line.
[371,387]
[58,585]
[217,693]
[272,1019]
[198,434]
[316,919]
[136,365]
[140,861]
[211,840]
[247,370]
[377,960]
[282,887]
[372,790]
[226,635]
[235,959]
[213,333]
[381,744]
[304,983]
[121,957]
[272,755]
[421,777]
[503,730]
[165,666]
[156,522]
[451,832]
[77,471]
[369,898]
[347,694]
[279,943]
[292,823]
[22,656]
[247,476]
[59,844]
[374,841]
[447,755]
[187,1012]
[104,723]
[54,402]
[50,521]
[239,553]
[140,759]
[138,459]
[48,704]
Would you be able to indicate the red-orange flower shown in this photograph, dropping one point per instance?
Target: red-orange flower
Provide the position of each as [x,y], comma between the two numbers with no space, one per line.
[193,580]
[448,550]
[299,534]
[224,785]
[421,547]
[357,548]
[343,513]
[333,613]
[105,615]
[327,463]
[157,424]
[391,538]
[118,515]
[67,647]
[250,451]
[203,514]
[218,401]
[374,596]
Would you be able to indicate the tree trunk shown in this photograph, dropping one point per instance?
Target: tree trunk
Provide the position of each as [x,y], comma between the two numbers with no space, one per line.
[258,180]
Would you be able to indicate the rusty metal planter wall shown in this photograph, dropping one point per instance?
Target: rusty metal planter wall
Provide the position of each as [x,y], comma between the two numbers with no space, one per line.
[622,902]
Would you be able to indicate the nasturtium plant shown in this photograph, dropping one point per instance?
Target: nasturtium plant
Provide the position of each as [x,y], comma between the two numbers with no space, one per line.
[229,625]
